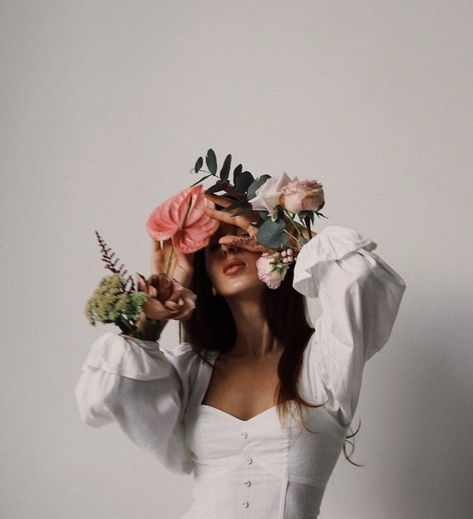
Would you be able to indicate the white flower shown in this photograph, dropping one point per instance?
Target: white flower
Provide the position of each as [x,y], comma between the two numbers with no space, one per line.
[267,196]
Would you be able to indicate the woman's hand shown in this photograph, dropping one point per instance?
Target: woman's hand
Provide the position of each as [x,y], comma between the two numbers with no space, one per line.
[164,258]
[244,222]
[168,298]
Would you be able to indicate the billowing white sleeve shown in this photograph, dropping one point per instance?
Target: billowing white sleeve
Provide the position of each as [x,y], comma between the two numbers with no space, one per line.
[142,388]
[360,297]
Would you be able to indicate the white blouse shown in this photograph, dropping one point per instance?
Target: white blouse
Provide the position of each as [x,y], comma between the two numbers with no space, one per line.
[256,468]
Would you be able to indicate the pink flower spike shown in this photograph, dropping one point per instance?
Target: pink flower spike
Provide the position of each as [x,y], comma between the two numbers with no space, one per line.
[183,219]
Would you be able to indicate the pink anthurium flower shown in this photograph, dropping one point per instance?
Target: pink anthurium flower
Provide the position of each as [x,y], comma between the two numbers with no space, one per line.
[182,219]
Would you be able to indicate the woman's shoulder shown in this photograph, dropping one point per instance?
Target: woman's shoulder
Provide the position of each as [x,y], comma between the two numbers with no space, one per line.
[186,359]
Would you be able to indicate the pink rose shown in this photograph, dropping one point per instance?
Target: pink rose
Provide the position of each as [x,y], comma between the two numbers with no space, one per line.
[302,195]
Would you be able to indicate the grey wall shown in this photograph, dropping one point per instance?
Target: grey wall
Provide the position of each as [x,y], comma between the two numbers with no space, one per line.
[105,107]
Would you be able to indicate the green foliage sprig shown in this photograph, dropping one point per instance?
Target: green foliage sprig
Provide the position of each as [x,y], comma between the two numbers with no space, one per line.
[273,228]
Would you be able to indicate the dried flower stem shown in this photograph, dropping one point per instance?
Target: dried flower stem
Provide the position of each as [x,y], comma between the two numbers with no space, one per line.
[111,264]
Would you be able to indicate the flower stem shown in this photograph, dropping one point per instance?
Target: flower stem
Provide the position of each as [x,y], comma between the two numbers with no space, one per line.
[293,237]
[169,257]
[293,222]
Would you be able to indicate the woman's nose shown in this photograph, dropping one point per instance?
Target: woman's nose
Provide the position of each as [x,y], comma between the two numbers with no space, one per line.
[228,248]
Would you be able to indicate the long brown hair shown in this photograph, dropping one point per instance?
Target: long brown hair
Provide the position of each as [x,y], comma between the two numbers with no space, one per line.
[212,328]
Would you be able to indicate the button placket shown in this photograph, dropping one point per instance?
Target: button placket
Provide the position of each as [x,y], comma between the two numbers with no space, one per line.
[248,460]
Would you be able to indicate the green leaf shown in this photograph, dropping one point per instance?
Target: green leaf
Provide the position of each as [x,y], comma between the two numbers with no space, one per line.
[236,172]
[271,234]
[255,185]
[243,181]
[211,161]
[198,164]
[218,186]
[226,167]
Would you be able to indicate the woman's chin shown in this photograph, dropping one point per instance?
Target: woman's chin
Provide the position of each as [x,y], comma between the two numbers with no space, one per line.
[240,286]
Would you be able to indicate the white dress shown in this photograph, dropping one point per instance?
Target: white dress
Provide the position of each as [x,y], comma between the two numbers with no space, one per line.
[258,468]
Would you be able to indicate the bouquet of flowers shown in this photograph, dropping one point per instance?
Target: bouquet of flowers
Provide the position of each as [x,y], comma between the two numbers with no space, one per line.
[276,213]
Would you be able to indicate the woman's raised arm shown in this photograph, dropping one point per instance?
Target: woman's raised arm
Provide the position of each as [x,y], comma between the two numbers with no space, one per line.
[360,297]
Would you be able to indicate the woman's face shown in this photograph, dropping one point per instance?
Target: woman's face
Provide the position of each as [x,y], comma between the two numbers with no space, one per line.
[231,280]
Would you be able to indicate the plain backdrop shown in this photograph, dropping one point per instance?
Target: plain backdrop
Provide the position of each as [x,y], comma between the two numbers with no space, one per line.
[106,105]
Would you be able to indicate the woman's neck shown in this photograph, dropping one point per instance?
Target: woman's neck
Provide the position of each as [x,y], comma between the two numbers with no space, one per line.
[253,338]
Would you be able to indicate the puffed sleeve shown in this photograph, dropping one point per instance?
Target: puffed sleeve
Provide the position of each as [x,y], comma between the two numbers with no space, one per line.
[360,297]
[144,389]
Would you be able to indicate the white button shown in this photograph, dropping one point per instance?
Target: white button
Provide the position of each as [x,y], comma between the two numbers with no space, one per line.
[245,504]
[248,460]
[247,483]
[244,435]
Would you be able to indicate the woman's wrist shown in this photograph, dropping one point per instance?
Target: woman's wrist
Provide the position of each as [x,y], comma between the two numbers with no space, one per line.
[183,277]
[149,329]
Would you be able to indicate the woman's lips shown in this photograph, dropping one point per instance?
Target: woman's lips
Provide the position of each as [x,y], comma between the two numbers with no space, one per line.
[232,266]
[234,270]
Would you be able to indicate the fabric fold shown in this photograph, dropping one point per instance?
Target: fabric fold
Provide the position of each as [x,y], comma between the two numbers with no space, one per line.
[332,243]
[360,295]
[133,358]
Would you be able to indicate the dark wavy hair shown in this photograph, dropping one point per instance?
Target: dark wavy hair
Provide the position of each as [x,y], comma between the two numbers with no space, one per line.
[212,328]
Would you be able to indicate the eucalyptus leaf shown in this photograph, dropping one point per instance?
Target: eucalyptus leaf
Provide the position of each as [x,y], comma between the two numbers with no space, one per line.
[211,161]
[256,184]
[243,181]
[236,172]
[218,186]
[198,164]
[271,234]
[224,172]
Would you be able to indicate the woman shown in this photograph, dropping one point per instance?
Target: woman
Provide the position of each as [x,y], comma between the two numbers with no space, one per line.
[254,402]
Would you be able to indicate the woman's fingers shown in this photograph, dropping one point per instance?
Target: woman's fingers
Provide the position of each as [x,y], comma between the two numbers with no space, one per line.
[219,200]
[185,312]
[240,221]
[153,309]
[225,202]
[243,242]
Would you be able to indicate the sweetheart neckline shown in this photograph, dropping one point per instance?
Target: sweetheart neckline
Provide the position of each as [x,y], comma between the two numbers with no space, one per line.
[233,417]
